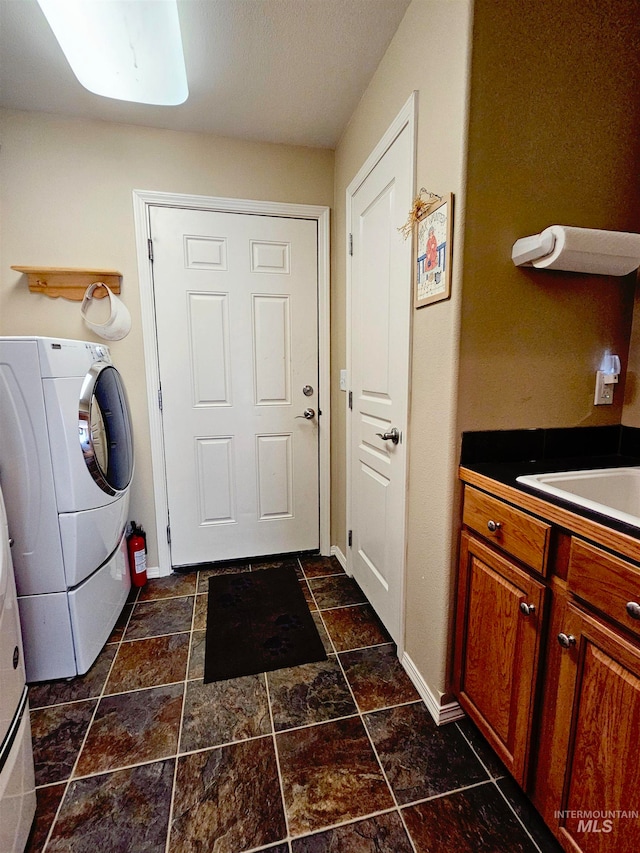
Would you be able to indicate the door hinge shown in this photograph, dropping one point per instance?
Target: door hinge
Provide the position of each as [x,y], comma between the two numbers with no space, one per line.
[150,248]
[168,534]
[160,398]
[351,244]
[350,538]
[351,399]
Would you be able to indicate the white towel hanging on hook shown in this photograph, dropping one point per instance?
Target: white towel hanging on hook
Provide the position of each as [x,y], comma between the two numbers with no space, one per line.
[118,325]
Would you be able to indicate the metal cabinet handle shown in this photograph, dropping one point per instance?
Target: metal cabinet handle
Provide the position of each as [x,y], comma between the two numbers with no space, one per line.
[566,640]
[527,609]
[633,609]
[494,525]
[393,435]
[308,414]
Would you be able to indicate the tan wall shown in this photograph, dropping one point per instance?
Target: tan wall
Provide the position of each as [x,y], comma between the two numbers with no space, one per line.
[631,410]
[66,199]
[429,53]
[554,138]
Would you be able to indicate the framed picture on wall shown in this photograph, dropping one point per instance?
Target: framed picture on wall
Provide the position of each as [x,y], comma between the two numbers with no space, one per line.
[433,254]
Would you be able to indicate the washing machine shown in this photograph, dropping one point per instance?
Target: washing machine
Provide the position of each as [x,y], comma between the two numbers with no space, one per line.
[17,778]
[66,464]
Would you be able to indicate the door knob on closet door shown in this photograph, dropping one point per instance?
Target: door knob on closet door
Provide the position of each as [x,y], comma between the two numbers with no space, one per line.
[308,414]
[393,435]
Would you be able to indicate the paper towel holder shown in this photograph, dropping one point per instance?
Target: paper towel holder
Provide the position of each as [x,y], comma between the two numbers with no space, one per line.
[536,251]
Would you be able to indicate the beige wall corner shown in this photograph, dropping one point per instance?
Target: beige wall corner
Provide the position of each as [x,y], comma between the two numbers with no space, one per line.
[429,54]
[66,200]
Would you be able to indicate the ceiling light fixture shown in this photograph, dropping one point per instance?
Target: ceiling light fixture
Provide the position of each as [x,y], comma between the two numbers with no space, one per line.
[130,50]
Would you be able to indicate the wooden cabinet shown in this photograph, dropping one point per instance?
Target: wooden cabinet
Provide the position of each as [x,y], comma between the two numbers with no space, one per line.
[587,784]
[554,688]
[499,614]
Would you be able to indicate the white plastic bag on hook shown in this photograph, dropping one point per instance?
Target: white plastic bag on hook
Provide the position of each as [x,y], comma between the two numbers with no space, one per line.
[118,325]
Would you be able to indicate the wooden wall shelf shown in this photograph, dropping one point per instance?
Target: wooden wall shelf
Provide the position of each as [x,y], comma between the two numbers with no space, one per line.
[68,282]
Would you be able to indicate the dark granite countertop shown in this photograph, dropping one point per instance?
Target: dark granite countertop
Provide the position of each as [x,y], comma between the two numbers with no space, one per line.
[500,463]
[508,472]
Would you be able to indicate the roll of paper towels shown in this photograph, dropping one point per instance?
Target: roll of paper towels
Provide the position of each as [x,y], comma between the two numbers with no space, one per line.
[590,250]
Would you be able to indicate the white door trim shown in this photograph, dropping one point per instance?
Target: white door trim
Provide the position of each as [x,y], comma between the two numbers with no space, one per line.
[407,117]
[142,200]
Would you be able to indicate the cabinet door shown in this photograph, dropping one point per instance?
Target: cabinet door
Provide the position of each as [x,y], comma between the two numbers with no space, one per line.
[497,649]
[600,807]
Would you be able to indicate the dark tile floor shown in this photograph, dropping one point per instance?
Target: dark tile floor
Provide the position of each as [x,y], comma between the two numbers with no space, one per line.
[339,756]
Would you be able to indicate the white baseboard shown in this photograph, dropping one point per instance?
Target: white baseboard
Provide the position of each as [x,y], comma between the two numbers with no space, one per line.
[340,557]
[440,713]
[154,572]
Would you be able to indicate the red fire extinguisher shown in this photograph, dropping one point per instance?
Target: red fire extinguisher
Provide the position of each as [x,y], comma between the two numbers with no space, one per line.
[137,555]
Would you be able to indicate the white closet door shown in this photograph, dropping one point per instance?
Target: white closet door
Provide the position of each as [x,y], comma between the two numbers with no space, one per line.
[380,350]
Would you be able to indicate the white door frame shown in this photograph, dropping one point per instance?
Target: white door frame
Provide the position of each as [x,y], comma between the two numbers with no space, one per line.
[407,117]
[142,201]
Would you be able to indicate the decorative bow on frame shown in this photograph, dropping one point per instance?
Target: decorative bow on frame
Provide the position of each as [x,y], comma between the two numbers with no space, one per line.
[422,204]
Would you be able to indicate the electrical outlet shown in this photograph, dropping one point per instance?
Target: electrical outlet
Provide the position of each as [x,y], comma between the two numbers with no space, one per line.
[604,390]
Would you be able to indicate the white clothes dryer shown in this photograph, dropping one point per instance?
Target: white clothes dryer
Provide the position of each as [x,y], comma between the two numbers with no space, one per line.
[66,464]
[17,777]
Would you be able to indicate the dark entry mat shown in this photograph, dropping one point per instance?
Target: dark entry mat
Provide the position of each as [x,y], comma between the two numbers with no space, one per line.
[258,622]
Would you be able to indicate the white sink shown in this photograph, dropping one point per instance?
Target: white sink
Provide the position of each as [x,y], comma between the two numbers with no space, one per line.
[614,492]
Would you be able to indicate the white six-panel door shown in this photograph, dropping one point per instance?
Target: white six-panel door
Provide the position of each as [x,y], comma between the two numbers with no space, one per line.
[380,312]
[236,314]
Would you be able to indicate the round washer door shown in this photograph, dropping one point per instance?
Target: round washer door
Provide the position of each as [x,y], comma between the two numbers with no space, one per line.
[104,427]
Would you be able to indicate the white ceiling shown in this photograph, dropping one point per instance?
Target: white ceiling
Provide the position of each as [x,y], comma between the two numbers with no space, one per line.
[289,71]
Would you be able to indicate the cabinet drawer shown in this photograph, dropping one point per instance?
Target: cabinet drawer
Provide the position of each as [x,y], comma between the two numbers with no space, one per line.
[607,582]
[524,537]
